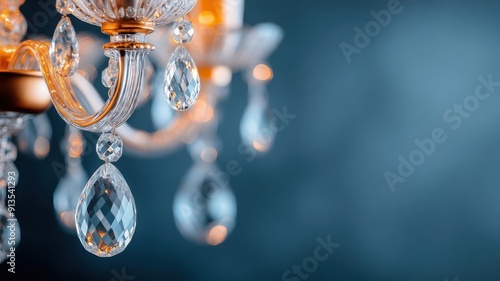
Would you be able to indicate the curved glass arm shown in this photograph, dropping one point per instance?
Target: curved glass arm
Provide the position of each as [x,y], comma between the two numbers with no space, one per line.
[123,98]
[182,129]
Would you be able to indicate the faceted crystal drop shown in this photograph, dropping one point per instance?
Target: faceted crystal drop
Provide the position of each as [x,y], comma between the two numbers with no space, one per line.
[6,232]
[161,113]
[256,128]
[183,31]
[66,197]
[64,6]
[64,48]
[204,208]
[181,83]
[110,74]
[106,214]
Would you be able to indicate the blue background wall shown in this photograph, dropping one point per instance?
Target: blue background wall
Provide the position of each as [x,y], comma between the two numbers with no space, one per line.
[325,174]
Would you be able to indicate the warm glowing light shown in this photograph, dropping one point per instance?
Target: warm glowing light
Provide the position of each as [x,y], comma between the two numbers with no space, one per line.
[42,147]
[202,112]
[209,154]
[262,72]
[221,76]
[22,144]
[206,18]
[217,235]
[68,219]
[75,145]
[82,73]
[261,146]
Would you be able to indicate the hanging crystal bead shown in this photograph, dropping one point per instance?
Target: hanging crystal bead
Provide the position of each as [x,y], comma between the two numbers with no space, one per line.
[181,83]
[66,196]
[109,147]
[64,7]
[109,75]
[183,31]
[256,128]
[64,48]
[106,213]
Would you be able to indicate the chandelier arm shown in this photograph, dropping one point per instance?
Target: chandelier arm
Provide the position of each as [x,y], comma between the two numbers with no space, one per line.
[118,107]
[140,142]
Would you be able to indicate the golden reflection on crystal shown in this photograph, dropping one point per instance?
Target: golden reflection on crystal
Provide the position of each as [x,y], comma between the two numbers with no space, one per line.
[6,53]
[217,235]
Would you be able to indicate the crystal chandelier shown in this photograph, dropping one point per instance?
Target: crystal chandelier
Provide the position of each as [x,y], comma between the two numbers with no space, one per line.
[38,73]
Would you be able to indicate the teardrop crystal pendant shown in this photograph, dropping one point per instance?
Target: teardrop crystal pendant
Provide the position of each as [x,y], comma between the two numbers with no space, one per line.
[181,83]
[256,128]
[64,48]
[106,213]
[66,197]
[204,207]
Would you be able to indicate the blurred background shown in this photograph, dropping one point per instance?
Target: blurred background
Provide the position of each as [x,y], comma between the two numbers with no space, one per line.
[324,176]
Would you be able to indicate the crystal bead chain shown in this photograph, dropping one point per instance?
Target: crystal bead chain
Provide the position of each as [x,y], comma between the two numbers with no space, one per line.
[181,83]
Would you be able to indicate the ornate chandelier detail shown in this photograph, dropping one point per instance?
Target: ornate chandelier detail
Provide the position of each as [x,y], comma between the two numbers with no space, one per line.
[38,73]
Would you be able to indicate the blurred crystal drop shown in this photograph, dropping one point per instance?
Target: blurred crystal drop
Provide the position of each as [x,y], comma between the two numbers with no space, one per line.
[204,207]
[34,138]
[66,196]
[181,83]
[64,48]
[256,128]
[106,213]
[161,113]
[9,227]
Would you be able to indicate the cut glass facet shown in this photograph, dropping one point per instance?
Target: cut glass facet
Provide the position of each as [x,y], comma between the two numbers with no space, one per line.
[183,31]
[64,48]
[109,147]
[181,83]
[106,213]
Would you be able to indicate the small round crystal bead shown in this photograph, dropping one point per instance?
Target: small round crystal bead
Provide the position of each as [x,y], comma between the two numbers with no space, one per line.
[183,31]
[109,147]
